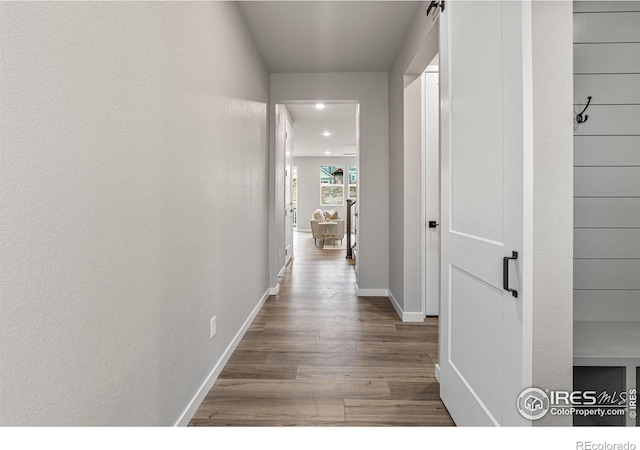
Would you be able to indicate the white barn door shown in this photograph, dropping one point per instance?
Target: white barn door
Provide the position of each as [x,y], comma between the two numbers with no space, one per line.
[485,357]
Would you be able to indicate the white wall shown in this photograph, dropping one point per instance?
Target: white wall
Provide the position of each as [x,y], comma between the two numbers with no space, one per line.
[370,91]
[405,188]
[413,198]
[552,200]
[123,228]
[607,163]
[309,186]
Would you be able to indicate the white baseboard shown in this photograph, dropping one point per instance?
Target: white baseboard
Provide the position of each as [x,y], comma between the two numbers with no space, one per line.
[193,405]
[438,372]
[275,290]
[284,268]
[405,316]
[413,317]
[395,304]
[371,292]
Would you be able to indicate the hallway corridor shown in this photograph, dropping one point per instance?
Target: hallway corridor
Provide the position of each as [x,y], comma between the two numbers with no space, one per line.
[317,355]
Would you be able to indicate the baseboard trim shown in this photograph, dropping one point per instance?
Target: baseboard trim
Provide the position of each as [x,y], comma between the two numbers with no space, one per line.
[275,290]
[438,372]
[405,316]
[193,405]
[395,304]
[281,273]
[412,317]
[371,292]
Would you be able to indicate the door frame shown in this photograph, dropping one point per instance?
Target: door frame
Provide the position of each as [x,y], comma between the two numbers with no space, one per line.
[425,186]
[288,179]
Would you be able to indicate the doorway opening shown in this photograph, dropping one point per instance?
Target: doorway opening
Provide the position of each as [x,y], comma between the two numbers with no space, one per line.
[319,142]
[431,188]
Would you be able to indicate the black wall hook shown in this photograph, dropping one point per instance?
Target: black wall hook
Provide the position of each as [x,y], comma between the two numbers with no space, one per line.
[579,117]
[435,4]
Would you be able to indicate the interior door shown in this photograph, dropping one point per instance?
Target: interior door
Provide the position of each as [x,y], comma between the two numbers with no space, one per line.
[431,124]
[485,358]
[288,193]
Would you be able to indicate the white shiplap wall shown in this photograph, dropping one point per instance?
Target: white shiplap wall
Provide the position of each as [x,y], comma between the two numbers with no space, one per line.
[607,161]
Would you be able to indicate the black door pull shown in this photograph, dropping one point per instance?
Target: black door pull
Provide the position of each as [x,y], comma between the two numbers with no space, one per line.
[433,224]
[505,274]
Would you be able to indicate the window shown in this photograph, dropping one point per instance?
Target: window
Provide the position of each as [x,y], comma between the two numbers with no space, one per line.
[352,177]
[332,185]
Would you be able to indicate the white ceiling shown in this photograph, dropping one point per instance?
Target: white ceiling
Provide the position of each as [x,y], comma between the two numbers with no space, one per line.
[328,36]
[310,123]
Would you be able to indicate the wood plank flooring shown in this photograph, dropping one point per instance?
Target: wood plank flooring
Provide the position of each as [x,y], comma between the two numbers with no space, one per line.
[318,355]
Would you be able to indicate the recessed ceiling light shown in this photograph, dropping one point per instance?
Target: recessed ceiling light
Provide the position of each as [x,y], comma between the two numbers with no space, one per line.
[326,134]
[320,106]
[327,153]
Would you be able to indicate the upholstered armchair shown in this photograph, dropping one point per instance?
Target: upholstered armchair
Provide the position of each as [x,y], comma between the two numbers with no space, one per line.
[327,225]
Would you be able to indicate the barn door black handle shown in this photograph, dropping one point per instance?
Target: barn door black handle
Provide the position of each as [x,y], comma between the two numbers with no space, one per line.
[505,274]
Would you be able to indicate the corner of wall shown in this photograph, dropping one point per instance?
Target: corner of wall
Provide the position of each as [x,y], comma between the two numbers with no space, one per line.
[553,199]
[405,316]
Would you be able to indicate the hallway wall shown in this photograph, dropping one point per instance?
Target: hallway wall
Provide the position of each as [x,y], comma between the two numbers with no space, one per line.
[551,270]
[405,166]
[370,90]
[133,187]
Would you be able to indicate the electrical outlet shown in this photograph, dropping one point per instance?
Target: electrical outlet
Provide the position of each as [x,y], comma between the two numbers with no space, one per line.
[213,327]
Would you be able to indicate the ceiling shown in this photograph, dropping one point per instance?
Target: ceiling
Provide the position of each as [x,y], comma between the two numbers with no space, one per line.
[328,36]
[309,123]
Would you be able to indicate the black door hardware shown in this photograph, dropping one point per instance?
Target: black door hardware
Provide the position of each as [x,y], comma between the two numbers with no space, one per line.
[505,274]
[433,224]
[435,4]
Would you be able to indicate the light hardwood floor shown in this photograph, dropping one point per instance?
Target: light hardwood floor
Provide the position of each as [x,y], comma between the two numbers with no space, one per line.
[318,355]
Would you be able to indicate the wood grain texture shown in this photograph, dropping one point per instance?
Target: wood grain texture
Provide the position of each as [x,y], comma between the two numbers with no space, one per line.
[365,373]
[424,390]
[243,407]
[259,371]
[401,412]
[355,358]
[318,355]
[300,389]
